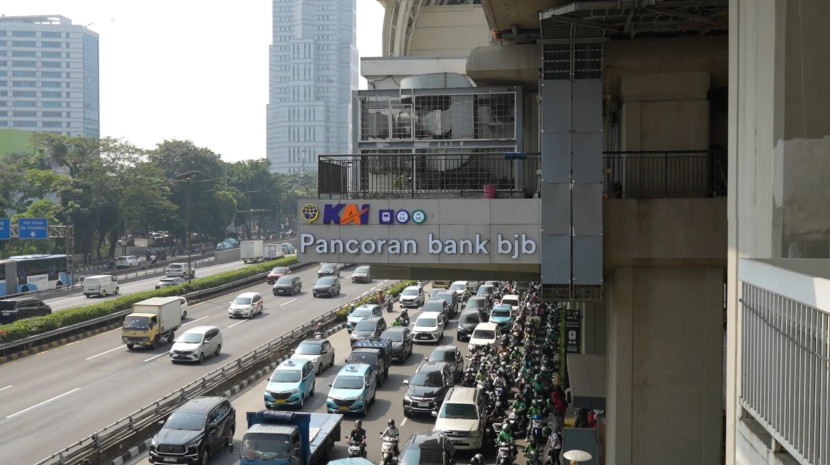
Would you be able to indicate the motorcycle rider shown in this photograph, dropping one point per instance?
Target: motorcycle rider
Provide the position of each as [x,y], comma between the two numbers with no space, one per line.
[506,436]
[535,410]
[358,434]
[532,448]
[393,433]
[397,322]
[321,330]
[405,317]
[500,382]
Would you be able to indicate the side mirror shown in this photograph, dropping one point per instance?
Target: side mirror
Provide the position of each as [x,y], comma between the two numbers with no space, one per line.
[406,381]
[329,384]
[434,413]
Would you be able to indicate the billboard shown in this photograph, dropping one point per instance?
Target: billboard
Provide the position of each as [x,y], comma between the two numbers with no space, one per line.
[399,231]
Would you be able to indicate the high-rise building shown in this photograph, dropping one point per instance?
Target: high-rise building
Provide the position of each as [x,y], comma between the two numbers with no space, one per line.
[312,72]
[49,76]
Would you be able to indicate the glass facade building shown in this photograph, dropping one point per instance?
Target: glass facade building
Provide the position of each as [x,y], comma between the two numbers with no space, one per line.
[312,72]
[49,78]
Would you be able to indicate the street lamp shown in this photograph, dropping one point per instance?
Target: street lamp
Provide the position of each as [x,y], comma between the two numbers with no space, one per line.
[250,211]
[187,178]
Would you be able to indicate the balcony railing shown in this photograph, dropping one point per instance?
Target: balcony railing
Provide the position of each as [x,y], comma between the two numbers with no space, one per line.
[678,174]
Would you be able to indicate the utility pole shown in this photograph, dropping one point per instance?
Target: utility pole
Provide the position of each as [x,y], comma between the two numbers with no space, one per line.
[187,178]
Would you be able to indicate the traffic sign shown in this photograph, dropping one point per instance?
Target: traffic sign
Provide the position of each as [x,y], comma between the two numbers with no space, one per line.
[33,228]
[5,228]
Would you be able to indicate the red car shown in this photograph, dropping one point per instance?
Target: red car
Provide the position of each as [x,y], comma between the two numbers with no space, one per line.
[276,272]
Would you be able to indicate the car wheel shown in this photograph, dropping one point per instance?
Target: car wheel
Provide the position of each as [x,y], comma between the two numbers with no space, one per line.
[319,369]
[184,315]
[204,453]
[331,363]
[129,347]
[218,349]
[313,385]
[201,357]
[231,433]
[302,401]
[103,293]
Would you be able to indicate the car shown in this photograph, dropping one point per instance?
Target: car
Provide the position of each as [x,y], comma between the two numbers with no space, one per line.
[170,281]
[287,285]
[276,273]
[328,269]
[319,351]
[353,389]
[452,301]
[326,286]
[436,306]
[370,328]
[179,269]
[193,432]
[433,294]
[288,249]
[485,334]
[502,315]
[480,304]
[426,389]
[401,338]
[412,296]
[428,327]
[290,384]
[100,285]
[496,285]
[463,417]
[362,274]
[12,310]
[195,344]
[512,300]
[460,288]
[127,261]
[451,356]
[433,448]
[246,305]
[467,322]
[360,313]
[487,291]
[184,306]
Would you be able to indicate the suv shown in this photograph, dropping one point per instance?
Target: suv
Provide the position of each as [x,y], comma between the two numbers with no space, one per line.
[463,418]
[127,261]
[451,297]
[436,306]
[452,357]
[370,328]
[352,390]
[433,448]
[12,310]
[292,381]
[195,431]
[482,304]
[412,296]
[196,343]
[180,270]
[427,388]
[467,322]
[328,269]
[289,284]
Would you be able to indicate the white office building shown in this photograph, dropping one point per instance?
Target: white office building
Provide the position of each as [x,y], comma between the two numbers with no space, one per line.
[313,70]
[49,76]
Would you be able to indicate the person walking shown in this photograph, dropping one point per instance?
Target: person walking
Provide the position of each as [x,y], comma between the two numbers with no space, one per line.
[554,448]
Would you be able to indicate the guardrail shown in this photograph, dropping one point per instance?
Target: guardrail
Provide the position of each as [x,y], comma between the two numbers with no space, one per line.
[108,443]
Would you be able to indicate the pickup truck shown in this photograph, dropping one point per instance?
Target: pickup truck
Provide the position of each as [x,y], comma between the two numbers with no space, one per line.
[375,352]
[289,438]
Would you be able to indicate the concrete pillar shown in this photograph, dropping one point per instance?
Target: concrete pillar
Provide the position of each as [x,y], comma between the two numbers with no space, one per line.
[664,365]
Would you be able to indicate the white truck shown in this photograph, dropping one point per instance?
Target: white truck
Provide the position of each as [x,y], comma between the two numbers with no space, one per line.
[272,251]
[252,251]
[152,321]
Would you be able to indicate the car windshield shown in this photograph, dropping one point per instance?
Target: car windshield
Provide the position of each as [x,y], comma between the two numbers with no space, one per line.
[136,322]
[279,270]
[366,326]
[327,266]
[433,306]
[426,322]
[362,269]
[445,296]
[502,307]
[325,281]
[475,303]
[410,291]
[191,338]
[348,382]
[425,456]
[511,302]
[395,336]
[242,301]
[430,379]
[308,348]
[362,312]
[463,411]
[442,356]
[485,290]
[500,313]
[285,280]
[458,287]
[266,446]
[484,334]
[286,376]
[470,318]
[186,421]
[434,293]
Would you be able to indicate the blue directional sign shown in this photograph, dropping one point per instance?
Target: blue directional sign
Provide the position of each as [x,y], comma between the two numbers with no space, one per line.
[33,228]
[5,228]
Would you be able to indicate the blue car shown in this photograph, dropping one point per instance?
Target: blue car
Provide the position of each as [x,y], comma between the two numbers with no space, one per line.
[361,313]
[291,383]
[352,390]
[502,315]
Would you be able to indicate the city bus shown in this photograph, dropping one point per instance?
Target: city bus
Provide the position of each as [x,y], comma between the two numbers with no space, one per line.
[28,273]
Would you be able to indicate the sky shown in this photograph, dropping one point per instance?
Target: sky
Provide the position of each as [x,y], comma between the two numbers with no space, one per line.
[186,69]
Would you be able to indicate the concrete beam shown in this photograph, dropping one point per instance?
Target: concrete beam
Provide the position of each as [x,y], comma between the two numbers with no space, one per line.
[516,64]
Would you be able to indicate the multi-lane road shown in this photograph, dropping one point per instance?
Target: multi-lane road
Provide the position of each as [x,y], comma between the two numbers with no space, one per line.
[52,399]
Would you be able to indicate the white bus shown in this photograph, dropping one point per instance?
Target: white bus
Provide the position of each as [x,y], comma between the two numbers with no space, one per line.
[29,273]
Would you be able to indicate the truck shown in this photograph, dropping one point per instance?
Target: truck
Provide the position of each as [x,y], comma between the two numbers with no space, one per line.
[272,251]
[375,352]
[289,438]
[152,321]
[252,251]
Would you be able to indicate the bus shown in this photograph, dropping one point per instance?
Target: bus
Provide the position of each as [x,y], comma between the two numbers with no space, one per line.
[30,273]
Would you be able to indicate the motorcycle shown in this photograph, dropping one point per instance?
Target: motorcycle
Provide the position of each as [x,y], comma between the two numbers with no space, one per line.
[388,303]
[505,455]
[320,332]
[387,450]
[357,448]
[404,316]
[536,426]
[532,457]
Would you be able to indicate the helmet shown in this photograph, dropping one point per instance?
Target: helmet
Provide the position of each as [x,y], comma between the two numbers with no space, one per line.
[517,396]
[391,422]
[504,426]
[358,423]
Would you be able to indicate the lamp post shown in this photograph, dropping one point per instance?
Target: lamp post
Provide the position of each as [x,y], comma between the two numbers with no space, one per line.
[187,178]
[250,211]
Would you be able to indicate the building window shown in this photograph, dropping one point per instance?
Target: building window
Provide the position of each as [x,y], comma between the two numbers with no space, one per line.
[50,54]
[24,64]
[25,114]
[23,33]
[24,53]
[24,124]
[24,84]
[51,84]
[24,104]
[51,64]
[23,74]
[24,43]
[51,94]
[51,104]
[52,114]
[24,93]
[50,44]
[51,35]
[51,124]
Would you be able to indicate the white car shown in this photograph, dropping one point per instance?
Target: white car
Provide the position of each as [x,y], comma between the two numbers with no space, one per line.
[512,300]
[100,285]
[412,296]
[463,418]
[245,305]
[459,287]
[485,334]
[127,261]
[196,343]
[179,270]
[319,351]
[183,302]
[429,327]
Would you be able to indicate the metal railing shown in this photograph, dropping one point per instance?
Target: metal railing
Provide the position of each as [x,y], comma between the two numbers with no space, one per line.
[426,174]
[785,371]
[664,174]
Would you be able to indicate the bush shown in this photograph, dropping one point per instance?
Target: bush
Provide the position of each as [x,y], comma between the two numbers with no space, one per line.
[22,329]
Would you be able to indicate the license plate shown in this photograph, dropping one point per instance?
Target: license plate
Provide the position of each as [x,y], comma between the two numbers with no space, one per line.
[7,313]
[420,404]
[170,459]
[344,409]
[279,401]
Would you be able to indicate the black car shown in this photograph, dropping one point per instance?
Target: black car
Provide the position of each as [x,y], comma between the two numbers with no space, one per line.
[451,356]
[362,274]
[370,328]
[427,388]
[287,285]
[433,447]
[481,304]
[467,322]
[12,310]
[326,286]
[195,431]
[451,297]
[401,337]
[328,269]
[437,305]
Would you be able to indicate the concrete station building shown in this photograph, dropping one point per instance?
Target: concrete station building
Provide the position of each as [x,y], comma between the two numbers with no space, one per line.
[658,161]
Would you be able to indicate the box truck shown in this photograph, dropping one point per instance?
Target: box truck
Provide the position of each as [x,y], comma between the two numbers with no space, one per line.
[152,321]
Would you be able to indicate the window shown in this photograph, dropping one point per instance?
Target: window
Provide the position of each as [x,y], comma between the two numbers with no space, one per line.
[24,103]
[52,104]
[24,53]
[24,114]
[50,44]
[24,43]
[51,64]
[51,124]
[23,33]
[51,84]
[24,124]
[23,74]
[52,114]
[51,74]
[24,64]
[50,54]
[51,35]
[50,94]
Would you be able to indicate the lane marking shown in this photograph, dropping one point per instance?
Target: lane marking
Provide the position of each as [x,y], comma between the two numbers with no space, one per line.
[404,421]
[286,303]
[155,357]
[3,389]
[42,403]
[105,352]
[237,323]
[194,321]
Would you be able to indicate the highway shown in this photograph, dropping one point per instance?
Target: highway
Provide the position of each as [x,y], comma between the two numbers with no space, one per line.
[50,400]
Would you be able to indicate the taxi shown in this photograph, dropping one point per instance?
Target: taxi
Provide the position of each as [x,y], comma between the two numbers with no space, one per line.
[352,390]
[291,384]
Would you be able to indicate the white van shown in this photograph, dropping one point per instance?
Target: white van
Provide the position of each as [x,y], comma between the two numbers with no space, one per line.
[485,334]
[100,285]
[512,300]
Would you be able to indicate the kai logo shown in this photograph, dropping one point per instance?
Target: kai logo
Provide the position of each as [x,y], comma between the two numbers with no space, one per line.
[345,213]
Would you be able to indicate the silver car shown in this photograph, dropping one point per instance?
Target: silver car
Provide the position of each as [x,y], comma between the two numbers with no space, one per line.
[196,343]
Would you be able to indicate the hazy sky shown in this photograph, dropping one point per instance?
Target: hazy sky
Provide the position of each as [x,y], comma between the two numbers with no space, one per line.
[186,69]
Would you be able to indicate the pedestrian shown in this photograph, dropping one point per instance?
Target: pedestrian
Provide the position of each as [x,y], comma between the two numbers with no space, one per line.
[554,447]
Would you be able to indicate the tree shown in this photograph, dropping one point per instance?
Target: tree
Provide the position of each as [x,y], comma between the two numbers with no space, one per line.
[257,189]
